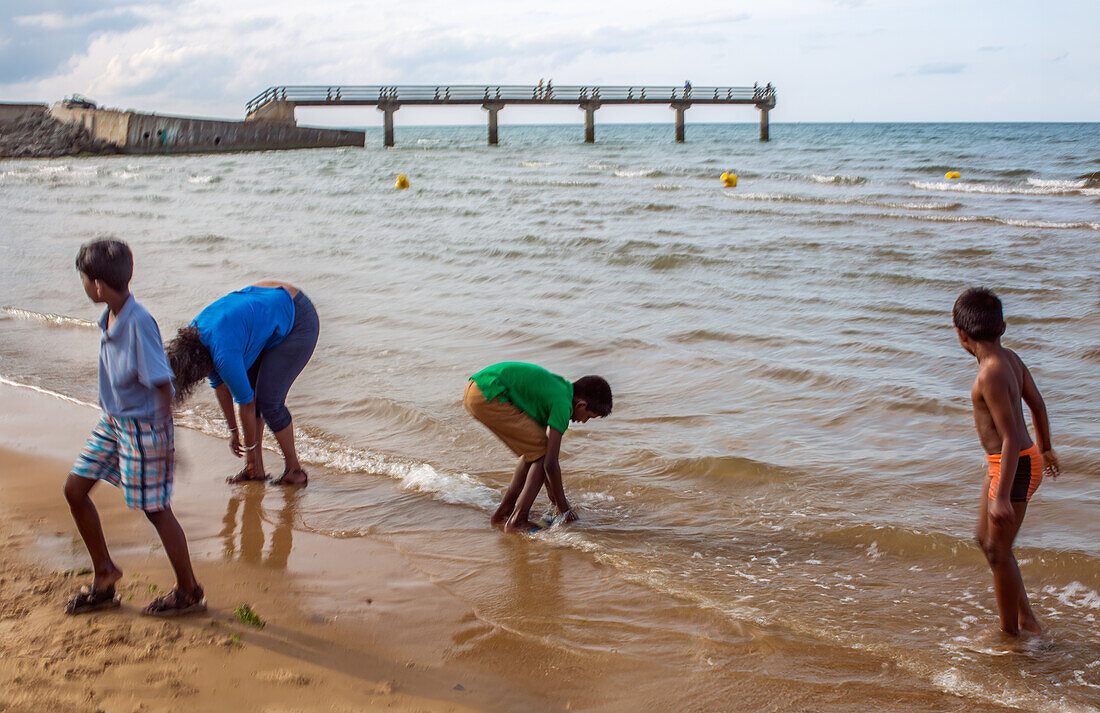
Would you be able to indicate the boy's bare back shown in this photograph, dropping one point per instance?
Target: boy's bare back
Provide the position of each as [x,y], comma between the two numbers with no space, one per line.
[1002,381]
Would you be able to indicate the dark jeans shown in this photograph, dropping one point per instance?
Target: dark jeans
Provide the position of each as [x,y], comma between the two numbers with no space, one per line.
[277,368]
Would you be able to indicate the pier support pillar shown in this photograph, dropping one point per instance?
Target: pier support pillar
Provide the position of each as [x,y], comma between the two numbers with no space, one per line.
[492,108]
[764,123]
[680,108]
[387,123]
[590,121]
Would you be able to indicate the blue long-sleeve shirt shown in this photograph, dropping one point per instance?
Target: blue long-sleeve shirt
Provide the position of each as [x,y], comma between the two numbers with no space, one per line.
[238,328]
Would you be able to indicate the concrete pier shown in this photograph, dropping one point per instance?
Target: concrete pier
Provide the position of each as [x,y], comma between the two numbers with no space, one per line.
[492,108]
[680,108]
[590,122]
[278,103]
[387,123]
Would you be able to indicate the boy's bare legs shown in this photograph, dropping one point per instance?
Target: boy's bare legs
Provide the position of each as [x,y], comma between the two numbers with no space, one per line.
[519,520]
[91,531]
[508,503]
[1025,616]
[996,542]
[175,546]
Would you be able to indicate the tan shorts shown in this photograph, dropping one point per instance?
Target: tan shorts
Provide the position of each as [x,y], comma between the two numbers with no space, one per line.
[518,430]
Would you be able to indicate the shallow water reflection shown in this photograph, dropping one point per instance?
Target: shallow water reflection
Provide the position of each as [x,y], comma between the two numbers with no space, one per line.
[243,531]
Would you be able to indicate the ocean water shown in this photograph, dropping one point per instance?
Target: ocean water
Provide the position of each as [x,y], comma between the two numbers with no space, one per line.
[785,493]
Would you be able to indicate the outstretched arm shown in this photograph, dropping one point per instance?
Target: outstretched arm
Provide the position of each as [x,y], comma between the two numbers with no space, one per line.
[1039,419]
[225,401]
[552,469]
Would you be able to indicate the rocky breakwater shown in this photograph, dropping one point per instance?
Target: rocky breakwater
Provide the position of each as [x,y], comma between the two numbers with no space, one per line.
[36,134]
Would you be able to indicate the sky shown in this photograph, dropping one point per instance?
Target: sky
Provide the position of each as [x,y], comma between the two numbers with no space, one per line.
[830,60]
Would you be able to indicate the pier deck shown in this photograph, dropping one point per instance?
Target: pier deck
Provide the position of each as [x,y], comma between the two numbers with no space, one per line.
[279,103]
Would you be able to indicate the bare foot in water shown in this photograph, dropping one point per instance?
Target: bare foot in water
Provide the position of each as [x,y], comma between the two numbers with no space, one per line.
[523,525]
[1030,624]
[245,476]
[293,476]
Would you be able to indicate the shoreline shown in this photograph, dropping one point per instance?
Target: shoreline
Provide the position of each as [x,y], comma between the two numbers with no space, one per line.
[119,660]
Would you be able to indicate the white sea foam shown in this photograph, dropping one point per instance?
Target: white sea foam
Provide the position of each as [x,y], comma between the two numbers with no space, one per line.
[47,392]
[1075,595]
[839,180]
[56,320]
[1015,222]
[1037,188]
[203,179]
[1043,183]
[642,173]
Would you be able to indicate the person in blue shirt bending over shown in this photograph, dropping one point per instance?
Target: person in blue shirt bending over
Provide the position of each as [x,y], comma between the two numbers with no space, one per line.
[251,344]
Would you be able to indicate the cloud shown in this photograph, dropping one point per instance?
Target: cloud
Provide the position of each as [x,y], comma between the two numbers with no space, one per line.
[941,68]
[37,39]
[992,48]
[1060,57]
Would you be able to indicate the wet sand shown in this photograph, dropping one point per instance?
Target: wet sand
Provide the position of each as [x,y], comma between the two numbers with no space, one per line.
[121,661]
[432,616]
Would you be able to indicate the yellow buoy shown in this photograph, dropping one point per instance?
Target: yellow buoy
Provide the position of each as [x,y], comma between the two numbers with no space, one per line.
[402,182]
[951,174]
[729,180]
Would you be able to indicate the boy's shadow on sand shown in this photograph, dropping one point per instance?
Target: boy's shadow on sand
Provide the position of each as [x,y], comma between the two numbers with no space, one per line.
[250,547]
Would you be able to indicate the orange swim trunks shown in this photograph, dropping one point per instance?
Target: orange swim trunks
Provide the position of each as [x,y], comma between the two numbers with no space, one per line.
[1029,473]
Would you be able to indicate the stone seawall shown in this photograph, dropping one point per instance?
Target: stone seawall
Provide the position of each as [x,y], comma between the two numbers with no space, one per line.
[28,131]
[12,113]
[137,133]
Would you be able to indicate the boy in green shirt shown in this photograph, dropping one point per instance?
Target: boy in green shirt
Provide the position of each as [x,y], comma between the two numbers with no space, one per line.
[529,409]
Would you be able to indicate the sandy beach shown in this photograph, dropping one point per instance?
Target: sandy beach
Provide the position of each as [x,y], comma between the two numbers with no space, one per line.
[121,661]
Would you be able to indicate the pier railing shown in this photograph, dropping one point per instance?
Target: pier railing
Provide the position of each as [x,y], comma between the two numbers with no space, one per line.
[279,103]
[510,93]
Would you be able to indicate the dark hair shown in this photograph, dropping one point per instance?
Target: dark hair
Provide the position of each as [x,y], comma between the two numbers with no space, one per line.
[978,313]
[108,260]
[190,361]
[595,392]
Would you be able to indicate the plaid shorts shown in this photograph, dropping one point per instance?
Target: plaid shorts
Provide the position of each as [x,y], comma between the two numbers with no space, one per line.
[136,455]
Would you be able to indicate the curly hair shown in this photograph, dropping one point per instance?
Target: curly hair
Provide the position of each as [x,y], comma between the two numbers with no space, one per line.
[190,361]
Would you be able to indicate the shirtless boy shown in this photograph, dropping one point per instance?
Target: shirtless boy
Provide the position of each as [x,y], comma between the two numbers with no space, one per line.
[1015,465]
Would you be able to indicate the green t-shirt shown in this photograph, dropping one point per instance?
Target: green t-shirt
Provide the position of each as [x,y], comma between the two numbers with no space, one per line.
[545,397]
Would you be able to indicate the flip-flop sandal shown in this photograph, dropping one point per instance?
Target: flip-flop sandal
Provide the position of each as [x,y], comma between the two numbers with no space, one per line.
[89,599]
[281,480]
[176,603]
[244,477]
